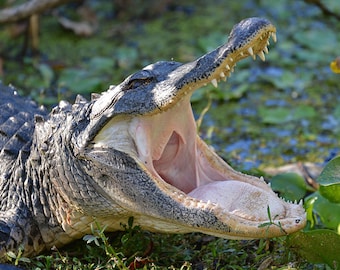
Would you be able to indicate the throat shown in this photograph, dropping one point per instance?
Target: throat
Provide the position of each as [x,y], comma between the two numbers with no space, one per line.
[166,145]
[177,165]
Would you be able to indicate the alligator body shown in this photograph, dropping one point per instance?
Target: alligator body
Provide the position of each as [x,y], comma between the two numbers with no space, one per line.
[132,151]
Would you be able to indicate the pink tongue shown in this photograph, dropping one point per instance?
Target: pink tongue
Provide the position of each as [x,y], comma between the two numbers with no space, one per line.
[241,199]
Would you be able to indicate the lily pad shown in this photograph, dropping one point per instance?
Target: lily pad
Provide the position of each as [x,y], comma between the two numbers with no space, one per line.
[317,246]
[329,180]
[274,115]
[80,80]
[283,115]
[291,186]
[328,212]
[319,41]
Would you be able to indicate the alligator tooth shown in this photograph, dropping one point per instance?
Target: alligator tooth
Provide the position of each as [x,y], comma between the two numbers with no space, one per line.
[274,36]
[261,55]
[223,77]
[227,67]
[268,43]
[214,82]
[250,50]
[241,53]
[231,59]
[265,49]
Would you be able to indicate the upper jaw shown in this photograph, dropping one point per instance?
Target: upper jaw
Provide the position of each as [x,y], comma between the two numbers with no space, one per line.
[168,82]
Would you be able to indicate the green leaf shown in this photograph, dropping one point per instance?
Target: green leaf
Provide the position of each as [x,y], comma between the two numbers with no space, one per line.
[319,41]
[286,80]
[309,205]
[125,238]
[274,115]
[46,73]
[291,186]
[317,246]
[236,93]
[329,180]
[100,65]
[79,80]
[336,112]
[283,115]
[328,212]
[331,192]
[303,111]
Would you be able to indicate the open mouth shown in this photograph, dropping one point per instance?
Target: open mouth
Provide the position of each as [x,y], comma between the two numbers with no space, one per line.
[165,144]
[167,147]
[171,151]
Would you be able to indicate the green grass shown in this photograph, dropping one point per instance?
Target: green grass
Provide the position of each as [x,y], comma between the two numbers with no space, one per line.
[134,248]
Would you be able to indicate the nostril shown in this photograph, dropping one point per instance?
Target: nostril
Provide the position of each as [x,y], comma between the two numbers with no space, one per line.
[297,221]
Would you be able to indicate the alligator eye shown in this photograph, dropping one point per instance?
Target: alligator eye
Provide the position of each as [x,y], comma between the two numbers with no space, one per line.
[138,79]
[137,83]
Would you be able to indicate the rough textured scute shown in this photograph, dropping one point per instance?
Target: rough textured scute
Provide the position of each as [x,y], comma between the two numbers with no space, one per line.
[17,226]
[16,122]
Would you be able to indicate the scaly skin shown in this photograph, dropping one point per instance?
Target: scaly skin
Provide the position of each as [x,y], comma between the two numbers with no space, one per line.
[132,151]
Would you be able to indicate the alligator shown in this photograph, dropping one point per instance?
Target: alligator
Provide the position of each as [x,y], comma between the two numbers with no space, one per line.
[132,151]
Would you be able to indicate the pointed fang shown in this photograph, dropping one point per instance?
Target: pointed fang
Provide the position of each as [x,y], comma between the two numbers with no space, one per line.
[214,82]
[261,55]
[265,49]
[274,37]
[250,50]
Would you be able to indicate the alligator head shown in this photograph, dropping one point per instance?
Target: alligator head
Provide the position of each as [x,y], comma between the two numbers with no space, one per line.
[139,147]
